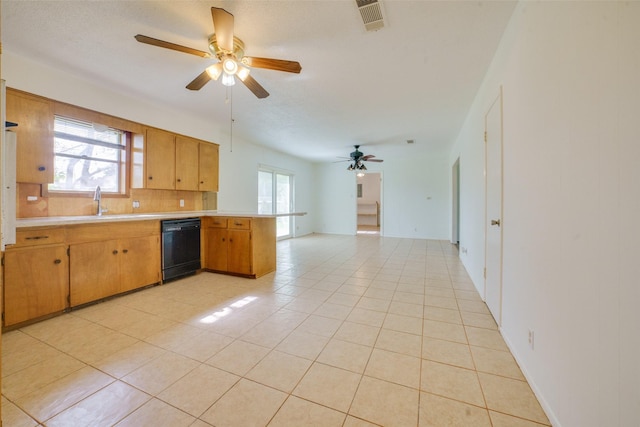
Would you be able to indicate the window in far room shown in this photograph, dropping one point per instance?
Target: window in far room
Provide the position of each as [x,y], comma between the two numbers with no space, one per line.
[87,155]
[275,196]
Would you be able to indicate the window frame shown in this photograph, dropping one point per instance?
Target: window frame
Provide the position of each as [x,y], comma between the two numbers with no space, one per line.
[274,182]
[124,165]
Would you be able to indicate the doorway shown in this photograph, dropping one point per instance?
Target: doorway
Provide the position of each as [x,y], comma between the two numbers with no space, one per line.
[493,209]
[369,203]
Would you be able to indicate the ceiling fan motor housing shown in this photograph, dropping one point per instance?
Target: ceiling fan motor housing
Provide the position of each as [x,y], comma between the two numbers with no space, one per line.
[238,48]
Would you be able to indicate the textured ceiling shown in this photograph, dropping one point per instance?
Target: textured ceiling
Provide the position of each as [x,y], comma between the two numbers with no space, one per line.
[413,79]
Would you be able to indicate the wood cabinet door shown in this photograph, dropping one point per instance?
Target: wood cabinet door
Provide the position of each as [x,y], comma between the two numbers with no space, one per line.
[94,271]
[160,157]
[139,262]
[209,167]
[239,254]
[187,154]
[34,152]
[36,282]
[217,242]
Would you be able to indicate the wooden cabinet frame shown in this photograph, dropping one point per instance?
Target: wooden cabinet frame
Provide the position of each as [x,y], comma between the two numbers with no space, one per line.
[240,245]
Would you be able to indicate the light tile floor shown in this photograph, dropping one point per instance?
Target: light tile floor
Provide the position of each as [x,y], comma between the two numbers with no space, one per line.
[350,331]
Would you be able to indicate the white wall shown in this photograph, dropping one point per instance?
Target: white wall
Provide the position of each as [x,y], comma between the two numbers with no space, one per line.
[335,205]
[571,78]
[415,196]
[238,169]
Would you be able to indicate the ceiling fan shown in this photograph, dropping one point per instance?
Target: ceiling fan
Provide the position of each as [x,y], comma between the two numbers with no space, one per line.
[357,157]
[229,50]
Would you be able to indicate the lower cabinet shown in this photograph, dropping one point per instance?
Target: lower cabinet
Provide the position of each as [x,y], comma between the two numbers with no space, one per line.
[36,282]
[105,268]
[243,246]
[139,262]
[217,248]
[240,255]
[229,251]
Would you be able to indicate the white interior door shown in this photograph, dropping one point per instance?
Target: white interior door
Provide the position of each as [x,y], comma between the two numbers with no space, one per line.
[493,210]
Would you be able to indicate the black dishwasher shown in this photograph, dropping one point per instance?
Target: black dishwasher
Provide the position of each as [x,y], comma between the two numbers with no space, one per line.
[180,247]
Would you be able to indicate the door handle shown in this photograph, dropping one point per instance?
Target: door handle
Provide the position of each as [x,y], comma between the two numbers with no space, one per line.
[495,222]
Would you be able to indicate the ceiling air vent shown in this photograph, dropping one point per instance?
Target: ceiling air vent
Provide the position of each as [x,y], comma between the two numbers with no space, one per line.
[371,13]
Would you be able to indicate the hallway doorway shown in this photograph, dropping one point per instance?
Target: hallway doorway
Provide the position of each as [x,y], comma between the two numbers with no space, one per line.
[369,203]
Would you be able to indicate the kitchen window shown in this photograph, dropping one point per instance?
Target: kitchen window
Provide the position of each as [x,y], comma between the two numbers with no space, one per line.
[87,155]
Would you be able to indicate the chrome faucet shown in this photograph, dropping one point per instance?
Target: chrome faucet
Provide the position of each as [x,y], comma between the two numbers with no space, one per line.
[97,197]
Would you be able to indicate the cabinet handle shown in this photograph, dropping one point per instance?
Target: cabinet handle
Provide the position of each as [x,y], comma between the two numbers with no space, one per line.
[201,182]
[36,237]
[179,180]
[238,223]
[42,168]
[230,240]
[125,251]
[150,177]
[115,252]
[57,261]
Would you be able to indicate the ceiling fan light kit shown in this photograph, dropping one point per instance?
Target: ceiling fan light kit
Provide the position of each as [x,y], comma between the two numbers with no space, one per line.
[229,50]
[214,70]
[228,79]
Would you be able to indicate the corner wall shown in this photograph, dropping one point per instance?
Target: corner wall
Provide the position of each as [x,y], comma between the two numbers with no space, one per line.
[570,73]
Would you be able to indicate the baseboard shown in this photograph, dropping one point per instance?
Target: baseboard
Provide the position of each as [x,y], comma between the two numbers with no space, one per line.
[543,402]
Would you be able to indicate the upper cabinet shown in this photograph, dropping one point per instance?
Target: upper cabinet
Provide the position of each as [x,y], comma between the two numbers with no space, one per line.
[34,152]
[160,153]
[175,162]
[186,159]
[208,168]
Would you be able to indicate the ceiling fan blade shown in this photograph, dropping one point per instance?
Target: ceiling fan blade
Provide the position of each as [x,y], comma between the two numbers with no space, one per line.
[368,156]
[199,81]
[373,160]
[172,46]
[272,64]
[223,27]
[254,87]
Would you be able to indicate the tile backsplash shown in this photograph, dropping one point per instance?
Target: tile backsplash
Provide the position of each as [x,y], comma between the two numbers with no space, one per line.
[31,203]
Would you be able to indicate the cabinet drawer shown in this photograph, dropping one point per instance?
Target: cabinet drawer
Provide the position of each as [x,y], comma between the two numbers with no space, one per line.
[217,222]
[43,236]
[240,223]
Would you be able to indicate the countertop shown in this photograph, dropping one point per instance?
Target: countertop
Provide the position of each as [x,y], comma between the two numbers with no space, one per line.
[88,219]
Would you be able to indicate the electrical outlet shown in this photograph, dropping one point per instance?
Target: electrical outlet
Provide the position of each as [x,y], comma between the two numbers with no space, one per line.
[531,339]
[182,203]
[136,204]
